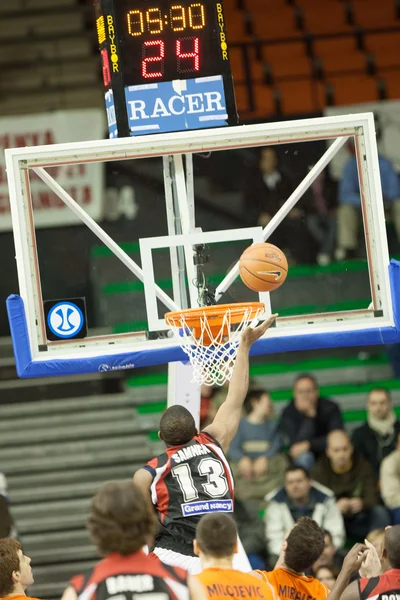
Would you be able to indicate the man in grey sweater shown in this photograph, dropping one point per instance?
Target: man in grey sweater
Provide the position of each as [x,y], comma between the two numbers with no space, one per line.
[255,450]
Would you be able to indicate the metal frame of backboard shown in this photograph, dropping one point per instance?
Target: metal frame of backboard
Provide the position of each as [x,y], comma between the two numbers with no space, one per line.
[173,147]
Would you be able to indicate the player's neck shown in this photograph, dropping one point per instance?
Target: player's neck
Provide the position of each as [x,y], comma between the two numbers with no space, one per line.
[207,562]
[283,565]
[17,591]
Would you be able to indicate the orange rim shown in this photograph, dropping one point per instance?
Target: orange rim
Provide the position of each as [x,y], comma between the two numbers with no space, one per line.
[214,315]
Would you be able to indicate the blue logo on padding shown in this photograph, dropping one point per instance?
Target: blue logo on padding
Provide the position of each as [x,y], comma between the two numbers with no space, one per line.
[65,319]
[179,105]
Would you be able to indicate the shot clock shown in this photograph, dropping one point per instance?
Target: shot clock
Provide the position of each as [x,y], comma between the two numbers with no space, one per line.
[165,65]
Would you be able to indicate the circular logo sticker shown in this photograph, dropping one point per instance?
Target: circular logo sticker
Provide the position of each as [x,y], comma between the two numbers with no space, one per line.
[65,319]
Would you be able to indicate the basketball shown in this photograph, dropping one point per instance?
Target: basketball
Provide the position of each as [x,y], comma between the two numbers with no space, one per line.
[263,267]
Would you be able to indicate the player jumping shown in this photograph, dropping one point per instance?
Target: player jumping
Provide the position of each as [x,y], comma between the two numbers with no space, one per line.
[192,477]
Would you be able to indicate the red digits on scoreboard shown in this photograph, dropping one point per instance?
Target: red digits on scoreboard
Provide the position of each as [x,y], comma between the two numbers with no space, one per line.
[155,58]
[193,54]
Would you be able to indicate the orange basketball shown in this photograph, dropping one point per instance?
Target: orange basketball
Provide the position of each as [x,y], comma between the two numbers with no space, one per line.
[263,267]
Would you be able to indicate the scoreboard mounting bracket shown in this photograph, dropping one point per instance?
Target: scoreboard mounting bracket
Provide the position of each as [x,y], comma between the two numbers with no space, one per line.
[165,66]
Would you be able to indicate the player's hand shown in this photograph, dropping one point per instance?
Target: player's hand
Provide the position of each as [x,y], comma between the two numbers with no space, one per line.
[371,566]
[249,335]
[356,505]
[260,466]
[354,559]
[245,467]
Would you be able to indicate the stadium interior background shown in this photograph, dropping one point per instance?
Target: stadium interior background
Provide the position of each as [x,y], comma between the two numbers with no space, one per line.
[61,437]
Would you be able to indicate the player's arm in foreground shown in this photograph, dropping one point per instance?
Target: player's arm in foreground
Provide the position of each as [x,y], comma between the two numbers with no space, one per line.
[351,564]
[226,421]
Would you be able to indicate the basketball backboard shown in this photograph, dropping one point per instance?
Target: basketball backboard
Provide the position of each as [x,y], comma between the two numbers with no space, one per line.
[167,261]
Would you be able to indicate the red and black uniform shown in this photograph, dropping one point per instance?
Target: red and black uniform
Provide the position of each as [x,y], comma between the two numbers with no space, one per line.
[124,577]
[383,587]
[189,481]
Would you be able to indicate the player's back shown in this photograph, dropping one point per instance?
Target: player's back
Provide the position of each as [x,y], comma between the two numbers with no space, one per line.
[229,584]
[382,587]
[189,481]
[136,575]
[289,585]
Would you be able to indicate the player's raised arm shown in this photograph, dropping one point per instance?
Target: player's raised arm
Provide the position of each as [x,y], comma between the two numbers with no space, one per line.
[226,421]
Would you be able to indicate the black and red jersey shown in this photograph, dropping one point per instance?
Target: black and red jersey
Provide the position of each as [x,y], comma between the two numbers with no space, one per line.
[383,587]
[189,481]
[131,576]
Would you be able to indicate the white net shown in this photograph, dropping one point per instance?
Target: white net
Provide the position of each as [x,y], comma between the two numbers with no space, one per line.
[212,353]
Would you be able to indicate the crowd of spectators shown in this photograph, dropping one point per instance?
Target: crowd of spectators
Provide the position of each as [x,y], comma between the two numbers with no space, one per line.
[324,224]
[305,463]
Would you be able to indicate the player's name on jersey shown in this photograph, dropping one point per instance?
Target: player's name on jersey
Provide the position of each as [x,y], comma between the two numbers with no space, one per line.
[238,591]
[129,583]
[190,452]
[288,591]
[201,508]
[390,596]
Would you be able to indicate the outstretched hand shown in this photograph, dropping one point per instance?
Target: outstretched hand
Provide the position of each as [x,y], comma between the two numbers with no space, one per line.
[249,335]
[355,558]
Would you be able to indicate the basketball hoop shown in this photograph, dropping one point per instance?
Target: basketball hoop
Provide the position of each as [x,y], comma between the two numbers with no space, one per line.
[205,334]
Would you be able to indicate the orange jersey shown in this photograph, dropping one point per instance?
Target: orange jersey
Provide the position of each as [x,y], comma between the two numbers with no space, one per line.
[290,586]
[229,584]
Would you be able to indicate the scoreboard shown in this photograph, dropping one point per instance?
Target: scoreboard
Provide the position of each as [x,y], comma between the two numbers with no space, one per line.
[165,65]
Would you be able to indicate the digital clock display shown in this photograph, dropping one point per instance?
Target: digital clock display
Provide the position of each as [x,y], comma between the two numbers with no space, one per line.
[165,65]
[164,40]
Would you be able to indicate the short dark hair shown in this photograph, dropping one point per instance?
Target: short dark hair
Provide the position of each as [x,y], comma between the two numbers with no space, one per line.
[177,426]
[294,468]
[253,396]
[381,389]
[121,519]
[306,376]
[9,562]
[216,535]
[305,544]
[392,546]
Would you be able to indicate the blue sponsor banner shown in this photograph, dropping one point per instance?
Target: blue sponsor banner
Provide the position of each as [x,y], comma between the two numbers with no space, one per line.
[179,105]
[202,507]
[111,117]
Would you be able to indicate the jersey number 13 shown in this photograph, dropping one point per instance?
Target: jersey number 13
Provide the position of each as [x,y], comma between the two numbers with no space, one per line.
[216,485]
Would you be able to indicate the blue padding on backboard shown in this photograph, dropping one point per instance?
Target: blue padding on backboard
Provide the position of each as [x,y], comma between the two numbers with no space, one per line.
[145,358]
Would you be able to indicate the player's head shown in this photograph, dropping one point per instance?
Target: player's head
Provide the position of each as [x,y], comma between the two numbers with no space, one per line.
[392,546]
[379,404]
[15,568]
[305,392]
[303,545]
[177,426]
[121,519]
[216,537]
[258,401]
[339,449]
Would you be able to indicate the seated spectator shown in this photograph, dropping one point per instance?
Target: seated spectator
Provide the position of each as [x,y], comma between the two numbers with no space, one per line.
[376,438]
[390,482]
[327,576]
[7,528]
[349,211]
[257,464]
[15,572]
[301,497]
[307,420]
[352,480]
[320,203]
[329,556]
[266,189]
